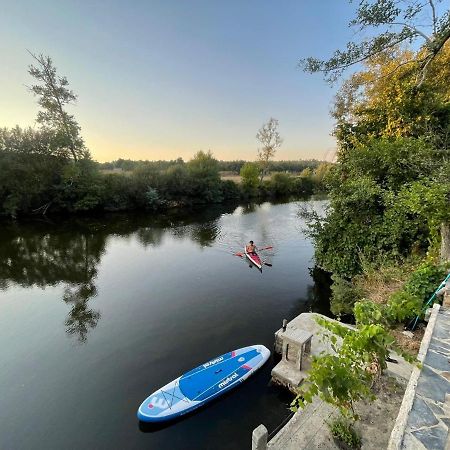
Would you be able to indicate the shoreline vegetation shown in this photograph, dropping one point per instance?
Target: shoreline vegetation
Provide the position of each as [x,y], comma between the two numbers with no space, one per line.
[34,183]
[48,169]
[385,237]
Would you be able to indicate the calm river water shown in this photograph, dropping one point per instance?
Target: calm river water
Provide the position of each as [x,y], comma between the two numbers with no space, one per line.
[95,314]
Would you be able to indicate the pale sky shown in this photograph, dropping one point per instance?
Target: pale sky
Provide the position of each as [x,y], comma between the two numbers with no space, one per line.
[163,79]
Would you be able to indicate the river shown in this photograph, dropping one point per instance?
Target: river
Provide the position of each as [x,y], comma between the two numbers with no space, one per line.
[97,313]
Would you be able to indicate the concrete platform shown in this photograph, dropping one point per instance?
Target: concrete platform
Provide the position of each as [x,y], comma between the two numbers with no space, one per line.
[286,375]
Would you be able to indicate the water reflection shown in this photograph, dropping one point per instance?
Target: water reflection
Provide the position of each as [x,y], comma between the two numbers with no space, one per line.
[81,318]
[43,254]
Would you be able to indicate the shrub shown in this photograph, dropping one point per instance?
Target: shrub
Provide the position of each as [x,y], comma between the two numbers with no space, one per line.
[250,177]
[369,313]
[343,431]
[230,190]
[152,199]
[281,184]
[425,280]
[403,305]
[343,296]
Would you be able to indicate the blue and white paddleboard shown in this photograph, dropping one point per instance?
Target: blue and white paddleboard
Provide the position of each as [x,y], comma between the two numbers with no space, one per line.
[202,384]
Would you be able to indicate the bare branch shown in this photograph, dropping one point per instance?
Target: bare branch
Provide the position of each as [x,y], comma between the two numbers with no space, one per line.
[433,9]
[412,28]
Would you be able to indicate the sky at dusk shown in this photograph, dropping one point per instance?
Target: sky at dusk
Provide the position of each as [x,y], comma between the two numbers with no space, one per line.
[162,79]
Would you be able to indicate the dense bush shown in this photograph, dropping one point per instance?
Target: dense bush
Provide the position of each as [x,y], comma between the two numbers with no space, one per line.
[342,430]
[36,176]
[369,212]
[424,281]
[343,296]
[281,184]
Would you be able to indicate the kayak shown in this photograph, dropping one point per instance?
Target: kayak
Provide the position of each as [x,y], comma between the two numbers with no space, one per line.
[254,258]
[202,384]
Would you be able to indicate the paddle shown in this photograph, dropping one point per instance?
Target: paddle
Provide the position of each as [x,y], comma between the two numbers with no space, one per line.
[259,249]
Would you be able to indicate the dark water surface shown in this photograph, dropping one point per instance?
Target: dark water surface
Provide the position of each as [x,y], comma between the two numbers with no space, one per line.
[95,314]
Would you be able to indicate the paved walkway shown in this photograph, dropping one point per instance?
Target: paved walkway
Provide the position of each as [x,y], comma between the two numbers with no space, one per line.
[428,422]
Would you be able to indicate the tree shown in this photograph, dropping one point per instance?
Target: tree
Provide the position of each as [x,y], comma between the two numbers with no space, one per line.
[382,100]
[271,141]
[203,170]
[54,94]
[249,174]
[400,21]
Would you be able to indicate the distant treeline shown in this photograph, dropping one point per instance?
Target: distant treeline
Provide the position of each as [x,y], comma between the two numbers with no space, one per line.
[35,178]
[224,166]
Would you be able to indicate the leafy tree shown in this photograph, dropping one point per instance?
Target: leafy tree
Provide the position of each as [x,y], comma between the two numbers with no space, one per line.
[54,95]
[281,184]
[80,186]
[204,172]
[176,183]
[369,213]
[270,140]
[250,177]
[383,100]
[344,295]
[230,190]
[395,22]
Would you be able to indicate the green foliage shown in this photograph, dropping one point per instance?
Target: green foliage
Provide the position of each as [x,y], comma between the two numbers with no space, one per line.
[153,200]
[80,188]
[204,173]
[396,23]
[403,305]
[342,430]
[343,296]
[347,376]
[270,141]
[368,214]
[337,381]
[303,185]
[424,281]
[281,184]
[369,313]
[230,190]
[250,177]
[53,95]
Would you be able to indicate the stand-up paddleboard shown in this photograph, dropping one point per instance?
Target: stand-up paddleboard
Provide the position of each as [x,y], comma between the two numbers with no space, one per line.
[202,384]
[254,258]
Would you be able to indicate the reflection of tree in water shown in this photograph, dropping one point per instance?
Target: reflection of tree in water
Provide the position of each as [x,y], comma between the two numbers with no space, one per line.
[319,293]
[31,257]
[317,297]
[45,254]
[150,236]
[80,318]
[205,234]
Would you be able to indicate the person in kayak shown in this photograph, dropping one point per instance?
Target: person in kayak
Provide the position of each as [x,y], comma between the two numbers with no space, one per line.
[251,247]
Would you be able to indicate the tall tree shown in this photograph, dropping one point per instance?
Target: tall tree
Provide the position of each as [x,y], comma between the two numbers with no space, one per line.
[54,95]
[383,100]
[389,23]
[271,141]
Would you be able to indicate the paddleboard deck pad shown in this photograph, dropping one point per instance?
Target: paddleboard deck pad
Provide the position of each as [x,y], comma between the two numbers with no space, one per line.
[202,384]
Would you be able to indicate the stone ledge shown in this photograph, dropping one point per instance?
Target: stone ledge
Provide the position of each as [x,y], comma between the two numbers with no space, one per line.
[398,432]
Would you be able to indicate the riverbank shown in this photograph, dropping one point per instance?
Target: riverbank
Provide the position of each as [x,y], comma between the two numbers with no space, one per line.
[308,428]
[411,408]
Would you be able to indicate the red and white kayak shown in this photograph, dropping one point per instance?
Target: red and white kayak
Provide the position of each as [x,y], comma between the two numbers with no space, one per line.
[254,258]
